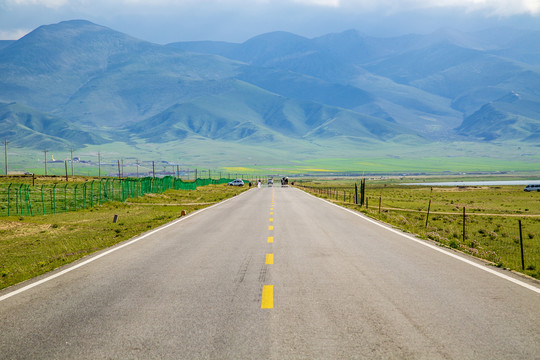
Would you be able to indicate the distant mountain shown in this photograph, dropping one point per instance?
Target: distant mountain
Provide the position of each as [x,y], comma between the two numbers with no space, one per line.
[510,117]
[247,113]
[82,84]
[33,129]
[5,43]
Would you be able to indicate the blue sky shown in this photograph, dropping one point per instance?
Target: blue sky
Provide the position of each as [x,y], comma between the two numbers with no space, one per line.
[164,21]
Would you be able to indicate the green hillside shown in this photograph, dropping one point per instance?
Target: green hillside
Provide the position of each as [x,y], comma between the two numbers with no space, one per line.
[30,128]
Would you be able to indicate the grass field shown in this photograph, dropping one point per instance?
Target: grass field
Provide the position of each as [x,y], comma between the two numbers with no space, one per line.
[285,157]
[30,246]
[491,221]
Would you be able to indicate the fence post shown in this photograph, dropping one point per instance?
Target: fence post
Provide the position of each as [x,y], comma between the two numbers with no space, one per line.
[65,197]
[54,198]
[9,198]
[51,197]
[92,193]
[42,200]
[29,201]
[75,197]
[84,196]
[20,199]
[362,185]
[380,199]
[521,245]
[427,216]
[464,224]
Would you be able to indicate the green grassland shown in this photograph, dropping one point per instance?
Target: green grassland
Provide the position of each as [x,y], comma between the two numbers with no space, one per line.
[33,245]
[288,157]
[492,215]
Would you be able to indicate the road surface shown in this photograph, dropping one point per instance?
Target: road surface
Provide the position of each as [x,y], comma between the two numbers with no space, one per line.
[273,273]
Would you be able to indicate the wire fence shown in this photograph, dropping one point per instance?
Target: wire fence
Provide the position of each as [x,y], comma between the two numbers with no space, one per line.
[29,200]
[508,240]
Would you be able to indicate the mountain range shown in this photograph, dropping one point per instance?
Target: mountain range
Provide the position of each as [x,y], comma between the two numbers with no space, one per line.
[78,84]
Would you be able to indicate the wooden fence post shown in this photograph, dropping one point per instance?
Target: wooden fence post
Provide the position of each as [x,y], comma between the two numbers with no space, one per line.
[427,216]
[464,224]
[521,245]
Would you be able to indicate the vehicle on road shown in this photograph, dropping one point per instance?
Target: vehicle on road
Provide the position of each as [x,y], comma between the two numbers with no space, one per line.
[270,182]
[534,187]
[237,182]
[285,181]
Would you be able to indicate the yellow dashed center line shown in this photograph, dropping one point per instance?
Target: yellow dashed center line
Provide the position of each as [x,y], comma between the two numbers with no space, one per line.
[267,298]
[267,301]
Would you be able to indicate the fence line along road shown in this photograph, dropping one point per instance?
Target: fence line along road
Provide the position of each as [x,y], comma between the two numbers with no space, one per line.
[30,200]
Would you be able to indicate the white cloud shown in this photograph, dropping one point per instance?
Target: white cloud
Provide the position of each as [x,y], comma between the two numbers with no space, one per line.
[13,34]
[53,4]
[490,7]
[329,3]
[494,7]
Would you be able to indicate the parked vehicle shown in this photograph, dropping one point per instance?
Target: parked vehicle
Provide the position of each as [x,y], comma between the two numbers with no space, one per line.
[237,182]
[534,187]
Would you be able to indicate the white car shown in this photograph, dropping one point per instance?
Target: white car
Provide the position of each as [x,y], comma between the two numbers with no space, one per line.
[237,182]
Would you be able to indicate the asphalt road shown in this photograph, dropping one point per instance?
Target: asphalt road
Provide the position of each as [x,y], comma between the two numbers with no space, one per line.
[273,274]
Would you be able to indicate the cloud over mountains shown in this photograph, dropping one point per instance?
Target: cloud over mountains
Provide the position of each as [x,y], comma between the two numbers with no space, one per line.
[165,21]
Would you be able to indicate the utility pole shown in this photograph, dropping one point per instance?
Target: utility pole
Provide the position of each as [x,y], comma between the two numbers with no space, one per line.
[5,156]
[45,151]
[71,162]
[137,162]
[99,164]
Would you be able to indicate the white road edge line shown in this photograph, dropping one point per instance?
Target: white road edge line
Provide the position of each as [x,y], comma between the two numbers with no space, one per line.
[94,258]
[439,249]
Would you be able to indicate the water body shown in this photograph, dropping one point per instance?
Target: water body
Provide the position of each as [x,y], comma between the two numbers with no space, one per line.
[479,183]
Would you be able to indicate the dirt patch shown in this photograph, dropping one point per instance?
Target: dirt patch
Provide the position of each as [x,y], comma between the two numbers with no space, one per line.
[17,229]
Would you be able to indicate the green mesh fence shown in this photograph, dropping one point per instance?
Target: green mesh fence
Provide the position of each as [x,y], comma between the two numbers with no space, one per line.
[28,200]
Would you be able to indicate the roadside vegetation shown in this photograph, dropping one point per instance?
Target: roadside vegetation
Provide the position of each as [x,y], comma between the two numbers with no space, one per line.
[492,215]
[33,245]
